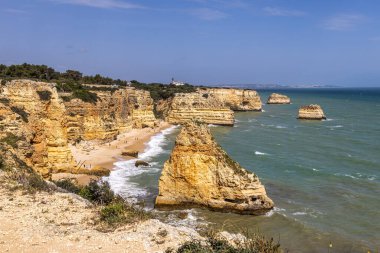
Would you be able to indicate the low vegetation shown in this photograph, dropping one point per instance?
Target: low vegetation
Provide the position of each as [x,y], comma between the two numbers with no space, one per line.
[160,91]
[19,174]
[23,114]
[113,210]
[215,244]
[44,95]
[11,139]
[73,81]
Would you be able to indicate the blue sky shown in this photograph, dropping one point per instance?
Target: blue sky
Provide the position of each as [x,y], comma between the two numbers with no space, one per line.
[199,41]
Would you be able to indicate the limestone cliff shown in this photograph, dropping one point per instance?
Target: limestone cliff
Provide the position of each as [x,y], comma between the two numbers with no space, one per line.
[311,112]
[32,121]
[141,108]
[235,99]
[185,107]
[199,172]
[102,120]
[276,98]
[114,112]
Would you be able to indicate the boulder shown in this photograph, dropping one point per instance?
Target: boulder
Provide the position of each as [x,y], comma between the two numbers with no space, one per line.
[132,153]
[311,112]
[199,172]
[141,163]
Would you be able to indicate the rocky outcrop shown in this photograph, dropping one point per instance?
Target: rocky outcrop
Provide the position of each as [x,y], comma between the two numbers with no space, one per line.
[32,122]
[235,99]
[311,112]
[102,120]
[114,112]
[199,172]
[276,98]
[141,105]
[185,107]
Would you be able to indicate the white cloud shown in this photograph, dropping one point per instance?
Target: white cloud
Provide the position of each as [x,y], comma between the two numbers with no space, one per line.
[344,22]
[105,4]
[208,14]
[274,11]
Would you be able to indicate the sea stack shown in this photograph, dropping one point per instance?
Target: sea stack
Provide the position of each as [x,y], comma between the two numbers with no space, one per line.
[276,98]
[311,112]
[199,172]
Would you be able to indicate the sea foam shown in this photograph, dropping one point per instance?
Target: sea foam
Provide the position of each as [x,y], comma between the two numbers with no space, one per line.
[119,179]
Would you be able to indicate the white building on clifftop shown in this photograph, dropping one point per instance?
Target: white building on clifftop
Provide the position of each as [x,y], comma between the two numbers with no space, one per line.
[176,83]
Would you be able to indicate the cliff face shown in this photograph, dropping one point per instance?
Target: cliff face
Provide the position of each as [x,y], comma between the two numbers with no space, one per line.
[235,99]
[113,113]
[311,112]
[141,108]
[185,107]
[33,116]
[199,172]
[102,120]
[276,98]
[209,105]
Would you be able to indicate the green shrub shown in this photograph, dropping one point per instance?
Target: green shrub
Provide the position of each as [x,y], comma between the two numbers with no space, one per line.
[213,244]
[24,115]
[98,193]
[44,95]
[68,185]
[11,140]
[85,96]
[118,212]
[113,213]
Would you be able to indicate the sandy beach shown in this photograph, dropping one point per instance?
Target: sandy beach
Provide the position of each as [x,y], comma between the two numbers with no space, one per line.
[92,154]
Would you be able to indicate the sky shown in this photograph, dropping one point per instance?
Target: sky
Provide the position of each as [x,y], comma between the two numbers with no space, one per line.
[211,42]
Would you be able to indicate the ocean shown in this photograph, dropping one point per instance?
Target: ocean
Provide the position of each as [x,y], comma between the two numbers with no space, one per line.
[324,176]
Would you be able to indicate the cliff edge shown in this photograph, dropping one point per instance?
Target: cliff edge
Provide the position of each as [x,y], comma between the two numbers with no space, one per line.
[199,172]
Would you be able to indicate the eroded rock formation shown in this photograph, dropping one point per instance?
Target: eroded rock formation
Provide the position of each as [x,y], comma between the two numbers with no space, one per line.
[37,122]
[199,172]
[235,99]
[185,107]
[115,112]
[276,98]
[32,120]
[311,112]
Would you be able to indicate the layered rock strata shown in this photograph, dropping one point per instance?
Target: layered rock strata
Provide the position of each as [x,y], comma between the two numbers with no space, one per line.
[185,107]
[199,172]
[276,98]
[141,108]
[235,99]
[32,121]
[311,112]
[115,112]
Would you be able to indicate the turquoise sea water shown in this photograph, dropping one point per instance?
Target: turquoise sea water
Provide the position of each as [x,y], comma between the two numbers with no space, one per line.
[324,176]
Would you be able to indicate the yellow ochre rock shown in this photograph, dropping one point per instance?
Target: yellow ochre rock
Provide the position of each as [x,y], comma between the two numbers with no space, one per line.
[199,172]
[276,98]
[33,113]
[185,107]
[311,112]
[235,99]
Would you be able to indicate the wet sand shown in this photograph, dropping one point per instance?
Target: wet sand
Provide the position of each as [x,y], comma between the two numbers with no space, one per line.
[90,154]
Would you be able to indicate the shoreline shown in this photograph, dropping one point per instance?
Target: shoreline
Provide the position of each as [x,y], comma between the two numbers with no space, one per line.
[95,154]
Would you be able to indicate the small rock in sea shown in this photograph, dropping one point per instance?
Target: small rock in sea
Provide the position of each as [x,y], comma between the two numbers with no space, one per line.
[182,215]
[141,163]
[311,112]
